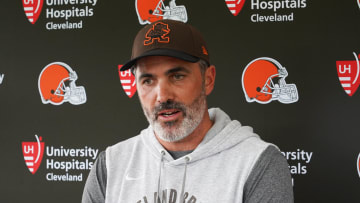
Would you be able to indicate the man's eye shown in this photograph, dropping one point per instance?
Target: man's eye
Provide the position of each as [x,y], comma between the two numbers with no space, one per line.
[147,82]
[178,76]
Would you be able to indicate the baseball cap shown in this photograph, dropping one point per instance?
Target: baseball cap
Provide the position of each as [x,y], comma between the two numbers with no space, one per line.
[168,38]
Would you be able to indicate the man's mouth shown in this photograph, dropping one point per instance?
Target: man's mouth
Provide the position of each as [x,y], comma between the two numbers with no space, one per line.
[169,114]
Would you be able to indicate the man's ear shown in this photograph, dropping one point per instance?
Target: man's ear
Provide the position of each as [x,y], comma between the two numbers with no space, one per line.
[210,74]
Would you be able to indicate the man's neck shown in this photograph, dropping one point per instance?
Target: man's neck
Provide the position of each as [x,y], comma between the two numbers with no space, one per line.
[191,141]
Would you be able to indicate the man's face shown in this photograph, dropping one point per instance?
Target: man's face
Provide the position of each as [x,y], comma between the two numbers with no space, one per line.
[172,95]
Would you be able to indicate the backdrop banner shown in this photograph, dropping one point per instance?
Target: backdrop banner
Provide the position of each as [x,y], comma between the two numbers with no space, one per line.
[288,68]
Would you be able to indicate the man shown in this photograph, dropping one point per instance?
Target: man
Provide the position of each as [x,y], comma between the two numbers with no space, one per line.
[188,153]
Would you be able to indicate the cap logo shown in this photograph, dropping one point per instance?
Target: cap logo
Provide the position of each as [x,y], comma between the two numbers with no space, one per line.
[158,32]
[204,50]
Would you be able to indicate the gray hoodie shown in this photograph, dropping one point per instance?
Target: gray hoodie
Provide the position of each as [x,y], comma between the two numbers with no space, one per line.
[139,169]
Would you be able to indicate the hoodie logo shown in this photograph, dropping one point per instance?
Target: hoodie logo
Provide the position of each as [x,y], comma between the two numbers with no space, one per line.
[128,177]
[32,9]
[235,6]
[348,73]
[134,174]
[127,80]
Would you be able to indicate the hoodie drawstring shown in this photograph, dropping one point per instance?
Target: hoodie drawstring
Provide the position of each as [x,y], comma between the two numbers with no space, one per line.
[187,159]
[161,164]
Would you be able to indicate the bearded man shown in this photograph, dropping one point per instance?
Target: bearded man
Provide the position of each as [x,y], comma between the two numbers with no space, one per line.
[189,153]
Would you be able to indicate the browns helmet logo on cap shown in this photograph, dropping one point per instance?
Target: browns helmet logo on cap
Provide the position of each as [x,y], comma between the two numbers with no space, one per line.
[159,32]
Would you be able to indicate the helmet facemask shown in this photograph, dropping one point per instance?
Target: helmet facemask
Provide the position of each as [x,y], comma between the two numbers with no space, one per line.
[74,94]
[171,12]
[277,87]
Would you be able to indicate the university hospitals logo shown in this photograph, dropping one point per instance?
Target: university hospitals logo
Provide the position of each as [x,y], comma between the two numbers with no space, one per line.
[33,154]
[263,11]
[263,81]
[60,14]
[62,164]
[299,161]
[149,11]
[235,6]
[32,9]
[57,85]
[127,80]
[348,73]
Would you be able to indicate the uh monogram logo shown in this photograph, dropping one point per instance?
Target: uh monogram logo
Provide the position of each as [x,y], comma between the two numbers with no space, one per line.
[33,154]
[127,80]
[348,73]
[235,6]
[32,9]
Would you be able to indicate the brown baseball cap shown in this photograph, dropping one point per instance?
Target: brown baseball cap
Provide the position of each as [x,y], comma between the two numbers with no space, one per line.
[169,38]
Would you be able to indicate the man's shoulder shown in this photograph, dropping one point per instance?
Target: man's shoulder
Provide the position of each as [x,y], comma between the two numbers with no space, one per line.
[257,142]
[247,138]
[128,143]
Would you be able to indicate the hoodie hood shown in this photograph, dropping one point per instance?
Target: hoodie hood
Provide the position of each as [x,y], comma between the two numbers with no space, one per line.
[223,135]
[140,169]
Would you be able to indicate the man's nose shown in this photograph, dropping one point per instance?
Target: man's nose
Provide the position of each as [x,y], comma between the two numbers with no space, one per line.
[164,92]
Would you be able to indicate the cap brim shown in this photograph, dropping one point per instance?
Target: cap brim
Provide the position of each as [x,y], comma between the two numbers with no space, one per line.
[161,52]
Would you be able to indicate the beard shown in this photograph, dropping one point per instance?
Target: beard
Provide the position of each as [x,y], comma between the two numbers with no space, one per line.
[178,129]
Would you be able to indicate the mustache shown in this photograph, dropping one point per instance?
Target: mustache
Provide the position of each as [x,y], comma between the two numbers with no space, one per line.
[169,105]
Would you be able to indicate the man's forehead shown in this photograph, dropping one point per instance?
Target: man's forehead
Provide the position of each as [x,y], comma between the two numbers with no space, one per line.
[161,64]
[150,60]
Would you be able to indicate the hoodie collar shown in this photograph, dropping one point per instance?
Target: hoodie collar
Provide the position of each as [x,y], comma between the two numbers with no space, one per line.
[219,137]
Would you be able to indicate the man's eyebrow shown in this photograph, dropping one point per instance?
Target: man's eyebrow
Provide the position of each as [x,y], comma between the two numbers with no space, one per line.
[145,75]
[168,72]
[177,69]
